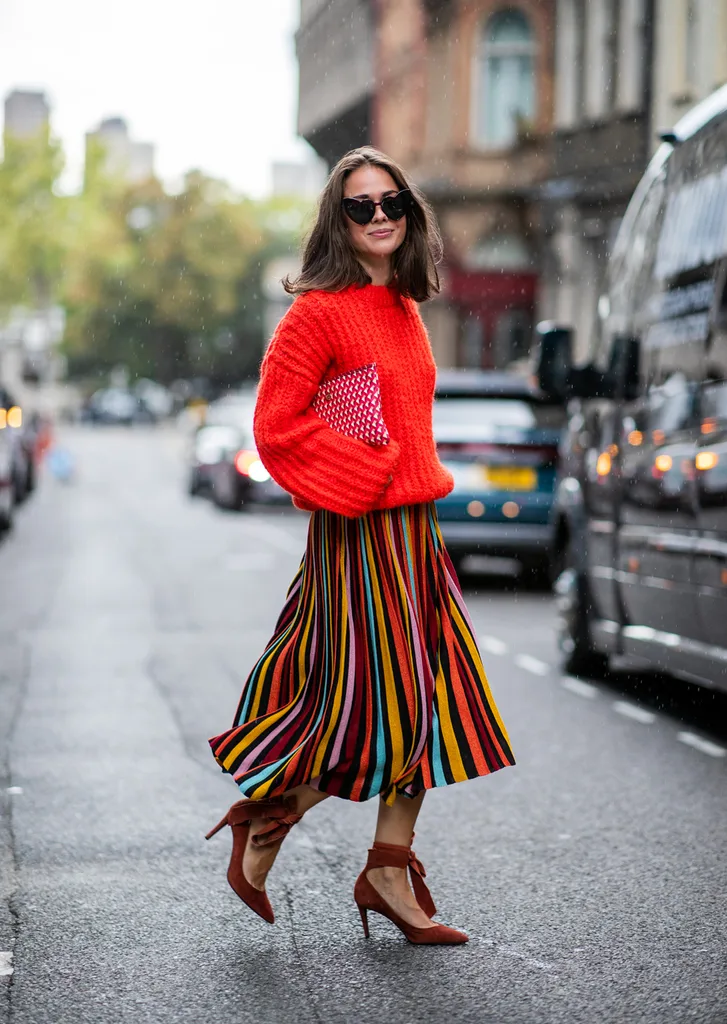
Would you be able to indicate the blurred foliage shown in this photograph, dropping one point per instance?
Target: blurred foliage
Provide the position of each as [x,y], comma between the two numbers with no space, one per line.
[167,285]
[31,221]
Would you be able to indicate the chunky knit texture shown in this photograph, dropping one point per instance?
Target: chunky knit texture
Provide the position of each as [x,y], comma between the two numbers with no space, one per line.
[322,335]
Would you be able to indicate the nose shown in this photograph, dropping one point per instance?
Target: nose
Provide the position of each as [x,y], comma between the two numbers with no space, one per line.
[379,216]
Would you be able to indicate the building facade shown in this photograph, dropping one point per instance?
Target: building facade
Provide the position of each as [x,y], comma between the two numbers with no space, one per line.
[461,93]
[26,113]
[302,179]
[124,158]
[336,50]
[465,102]
[601,142]
[527,122]
[690,57]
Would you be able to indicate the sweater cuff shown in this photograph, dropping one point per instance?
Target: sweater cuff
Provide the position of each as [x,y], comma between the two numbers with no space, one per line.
[343,474]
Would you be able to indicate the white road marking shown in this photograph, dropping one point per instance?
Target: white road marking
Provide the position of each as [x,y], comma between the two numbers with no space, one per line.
[14,790]
[6,964]
[493,645]
[579,687]
[705,746]
[530,664]
[634,712]
[517,955]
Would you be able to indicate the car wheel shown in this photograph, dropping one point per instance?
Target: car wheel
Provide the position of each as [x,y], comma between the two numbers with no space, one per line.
[537,573]
[231,497]
[578,654]
[21,485]
[7,506]
[239,502]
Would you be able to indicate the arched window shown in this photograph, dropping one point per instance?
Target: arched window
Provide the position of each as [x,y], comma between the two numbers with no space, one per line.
[506,78]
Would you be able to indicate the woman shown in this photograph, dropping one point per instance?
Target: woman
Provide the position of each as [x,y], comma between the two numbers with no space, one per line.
[372,684]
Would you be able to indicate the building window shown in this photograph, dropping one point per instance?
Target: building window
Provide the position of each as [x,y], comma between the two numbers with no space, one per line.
[506,78]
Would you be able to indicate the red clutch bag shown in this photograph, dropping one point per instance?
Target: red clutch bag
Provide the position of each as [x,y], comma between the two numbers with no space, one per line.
[351,404]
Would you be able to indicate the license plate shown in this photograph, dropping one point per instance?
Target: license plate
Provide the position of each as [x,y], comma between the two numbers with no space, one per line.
[511,478]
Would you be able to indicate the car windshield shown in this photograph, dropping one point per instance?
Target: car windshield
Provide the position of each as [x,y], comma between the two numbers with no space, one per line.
[232,412]
[494,419]
[210,442]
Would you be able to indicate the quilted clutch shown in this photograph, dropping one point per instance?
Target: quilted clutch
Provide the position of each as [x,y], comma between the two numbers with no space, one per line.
[351,404]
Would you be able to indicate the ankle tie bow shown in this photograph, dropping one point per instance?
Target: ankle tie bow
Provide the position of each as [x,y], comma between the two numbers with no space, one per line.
[389,855]
[280,812]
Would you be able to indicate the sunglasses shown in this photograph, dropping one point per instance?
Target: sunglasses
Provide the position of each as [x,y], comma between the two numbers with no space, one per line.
[363,211]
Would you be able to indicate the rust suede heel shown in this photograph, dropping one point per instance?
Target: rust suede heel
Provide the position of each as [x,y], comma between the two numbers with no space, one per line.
[282,816]
[384,855]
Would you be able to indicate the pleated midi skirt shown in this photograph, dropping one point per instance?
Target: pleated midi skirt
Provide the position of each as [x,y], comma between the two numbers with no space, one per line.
[372,683]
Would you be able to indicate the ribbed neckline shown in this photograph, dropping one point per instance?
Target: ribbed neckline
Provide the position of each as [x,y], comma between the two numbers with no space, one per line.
[379,296]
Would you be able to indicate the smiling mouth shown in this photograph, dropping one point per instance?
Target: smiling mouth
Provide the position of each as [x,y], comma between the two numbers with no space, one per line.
[382,232]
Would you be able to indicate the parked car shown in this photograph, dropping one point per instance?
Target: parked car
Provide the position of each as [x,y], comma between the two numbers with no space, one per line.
[224,464]
[498,436]
[7,476]
[116,407]
[641,505]
[208,447]
[20,430]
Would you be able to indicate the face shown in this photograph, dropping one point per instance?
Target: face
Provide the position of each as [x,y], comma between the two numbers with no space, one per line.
[382,237]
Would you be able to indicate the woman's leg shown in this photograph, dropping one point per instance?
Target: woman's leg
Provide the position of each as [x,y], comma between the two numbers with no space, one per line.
[395,825]
[259,859]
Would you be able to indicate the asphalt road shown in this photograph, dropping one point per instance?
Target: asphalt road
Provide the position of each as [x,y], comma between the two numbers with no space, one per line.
[591,877]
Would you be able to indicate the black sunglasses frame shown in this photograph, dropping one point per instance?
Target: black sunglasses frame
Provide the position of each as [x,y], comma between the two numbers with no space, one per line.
[356,208]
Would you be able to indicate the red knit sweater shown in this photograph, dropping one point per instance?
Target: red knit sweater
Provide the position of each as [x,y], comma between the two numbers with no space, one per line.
[322,335]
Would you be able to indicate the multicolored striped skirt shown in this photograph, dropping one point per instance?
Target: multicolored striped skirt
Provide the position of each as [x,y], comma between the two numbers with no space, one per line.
[372,682]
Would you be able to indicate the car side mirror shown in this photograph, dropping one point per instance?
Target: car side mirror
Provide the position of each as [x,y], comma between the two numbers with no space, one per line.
[553,359]
[624,368]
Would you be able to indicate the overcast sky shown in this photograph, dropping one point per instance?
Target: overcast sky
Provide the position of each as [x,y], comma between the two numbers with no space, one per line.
[212,83]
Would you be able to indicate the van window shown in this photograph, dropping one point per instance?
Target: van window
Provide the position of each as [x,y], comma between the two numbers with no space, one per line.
[717,343]
[694,229]
[632,285]
[672,407]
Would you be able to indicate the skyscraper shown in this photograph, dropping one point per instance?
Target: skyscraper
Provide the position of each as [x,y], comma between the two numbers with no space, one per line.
[26,113]
[124,158]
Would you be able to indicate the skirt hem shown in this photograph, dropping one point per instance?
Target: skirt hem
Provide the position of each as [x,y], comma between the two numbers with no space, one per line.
[388,794]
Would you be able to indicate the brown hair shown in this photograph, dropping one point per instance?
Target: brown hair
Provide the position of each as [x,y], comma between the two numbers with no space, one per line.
[329,259]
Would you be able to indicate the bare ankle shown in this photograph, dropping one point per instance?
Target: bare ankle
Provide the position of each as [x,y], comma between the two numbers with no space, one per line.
[389,874]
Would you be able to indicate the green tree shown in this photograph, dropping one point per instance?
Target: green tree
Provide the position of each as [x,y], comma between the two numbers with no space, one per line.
[32,218]
[168,285]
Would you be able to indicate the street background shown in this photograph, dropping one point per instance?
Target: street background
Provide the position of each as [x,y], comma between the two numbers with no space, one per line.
[590,877]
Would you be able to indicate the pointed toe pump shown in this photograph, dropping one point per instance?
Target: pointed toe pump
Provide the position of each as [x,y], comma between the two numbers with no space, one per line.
[385,855]
[281,816]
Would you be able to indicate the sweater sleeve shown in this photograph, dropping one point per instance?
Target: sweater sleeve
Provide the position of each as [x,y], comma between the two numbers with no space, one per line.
[310,460]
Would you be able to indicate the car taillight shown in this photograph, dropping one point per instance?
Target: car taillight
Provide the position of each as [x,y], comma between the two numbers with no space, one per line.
[247,463]
[243,460]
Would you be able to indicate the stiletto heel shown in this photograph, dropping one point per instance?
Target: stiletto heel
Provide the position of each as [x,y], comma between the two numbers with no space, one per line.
[385,855]
[282,816]
[216,829]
